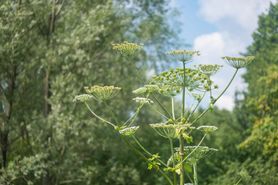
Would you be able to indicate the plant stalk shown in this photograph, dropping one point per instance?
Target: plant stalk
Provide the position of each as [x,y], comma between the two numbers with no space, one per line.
[182,161]
[162,107]
[174,164]
[195,174]
[181,141]
[146,151]
[173,108]
[97,116]
[171,141]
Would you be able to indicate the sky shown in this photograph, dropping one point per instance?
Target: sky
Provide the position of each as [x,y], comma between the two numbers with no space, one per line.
[220,28]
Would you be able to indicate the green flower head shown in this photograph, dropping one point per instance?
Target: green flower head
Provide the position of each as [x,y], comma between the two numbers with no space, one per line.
[170,83]
[146,89]
[82,98]
[103,92]
[127,47]
[184,52]
[239,62]
[128,131]
[184,55]
[207,129]
[209,69]
[169,130]
[143,100]
[198,152]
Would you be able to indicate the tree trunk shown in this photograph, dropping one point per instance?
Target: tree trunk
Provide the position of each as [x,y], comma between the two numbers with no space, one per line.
[4,135]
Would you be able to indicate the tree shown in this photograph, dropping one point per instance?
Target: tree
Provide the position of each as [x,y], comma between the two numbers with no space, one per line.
[49,51]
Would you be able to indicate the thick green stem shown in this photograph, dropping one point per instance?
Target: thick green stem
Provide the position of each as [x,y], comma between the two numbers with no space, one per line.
[174,164]
[181,141]
[173,108]
[183,91]
[171,141]
[195,174]
[182,161]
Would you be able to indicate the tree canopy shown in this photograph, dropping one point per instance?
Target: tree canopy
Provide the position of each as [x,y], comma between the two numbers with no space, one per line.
[50,50]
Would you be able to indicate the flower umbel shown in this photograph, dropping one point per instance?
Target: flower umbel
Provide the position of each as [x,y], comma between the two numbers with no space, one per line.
[146,89]
[103,92]
[239,62]
[128,131]
[207,129]
[184,52]
[127,47]
[82,98]
[171,82]
[209,69]
[184,55]
[198,152]
[143,100]
[169,130]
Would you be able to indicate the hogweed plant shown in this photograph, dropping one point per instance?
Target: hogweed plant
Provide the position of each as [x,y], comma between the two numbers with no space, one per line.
[193,82]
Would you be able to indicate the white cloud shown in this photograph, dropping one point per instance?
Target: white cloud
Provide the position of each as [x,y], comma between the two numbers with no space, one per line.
[215,45]
[226,102]
[173,3]
[211,46]
[235,20]
[150,73]
[241,12]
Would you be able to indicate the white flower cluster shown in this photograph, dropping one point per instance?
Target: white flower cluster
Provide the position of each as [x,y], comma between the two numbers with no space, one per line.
[207,129]
[143,100]
[239,62]
[127,47]
[82,98]
[103,92]
[129,131]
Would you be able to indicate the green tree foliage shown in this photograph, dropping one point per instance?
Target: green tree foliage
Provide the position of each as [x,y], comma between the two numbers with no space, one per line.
[261,99]
[225,139]
[50,50]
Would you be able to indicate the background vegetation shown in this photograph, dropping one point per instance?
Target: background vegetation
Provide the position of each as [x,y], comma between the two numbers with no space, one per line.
[50,50]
